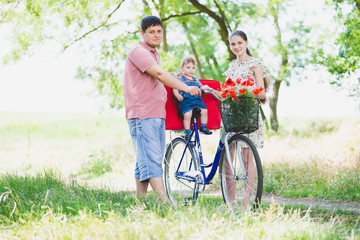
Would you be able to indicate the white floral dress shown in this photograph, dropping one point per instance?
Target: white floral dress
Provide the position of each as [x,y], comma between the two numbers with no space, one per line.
[242,70]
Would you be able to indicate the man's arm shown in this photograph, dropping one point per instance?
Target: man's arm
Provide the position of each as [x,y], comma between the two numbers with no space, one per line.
[166,78]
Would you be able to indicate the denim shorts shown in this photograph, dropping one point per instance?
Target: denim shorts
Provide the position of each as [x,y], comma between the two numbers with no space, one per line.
[189,104]
[148,137]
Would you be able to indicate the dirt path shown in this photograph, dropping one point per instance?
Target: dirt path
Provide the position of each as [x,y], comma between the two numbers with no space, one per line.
[308,202]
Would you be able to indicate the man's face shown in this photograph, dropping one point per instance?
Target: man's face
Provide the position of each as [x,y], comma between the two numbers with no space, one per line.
[153,36]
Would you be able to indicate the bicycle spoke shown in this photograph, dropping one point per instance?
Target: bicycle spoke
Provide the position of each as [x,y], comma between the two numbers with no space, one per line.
[179,158]
[241,188]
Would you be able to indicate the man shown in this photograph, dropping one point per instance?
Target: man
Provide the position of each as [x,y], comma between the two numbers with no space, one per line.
[145,98]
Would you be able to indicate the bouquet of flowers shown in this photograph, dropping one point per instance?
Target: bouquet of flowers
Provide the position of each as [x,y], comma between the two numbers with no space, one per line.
[240,109]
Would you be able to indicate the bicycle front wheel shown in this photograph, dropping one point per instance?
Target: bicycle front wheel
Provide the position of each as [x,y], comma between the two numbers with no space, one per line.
[181,173]
[241,177]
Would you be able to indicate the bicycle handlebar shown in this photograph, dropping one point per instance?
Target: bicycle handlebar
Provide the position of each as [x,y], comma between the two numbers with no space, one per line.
[211,91]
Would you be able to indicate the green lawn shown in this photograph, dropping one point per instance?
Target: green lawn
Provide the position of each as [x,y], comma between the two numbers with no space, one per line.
[45,206]
[70,176]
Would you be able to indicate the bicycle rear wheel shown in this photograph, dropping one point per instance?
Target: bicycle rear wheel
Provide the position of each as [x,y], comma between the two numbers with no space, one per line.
[181,173]
[241,188]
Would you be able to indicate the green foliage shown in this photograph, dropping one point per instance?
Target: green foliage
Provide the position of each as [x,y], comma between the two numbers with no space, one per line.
[199,28]
[98,164]
[343,60]
[346,60]
[240,115]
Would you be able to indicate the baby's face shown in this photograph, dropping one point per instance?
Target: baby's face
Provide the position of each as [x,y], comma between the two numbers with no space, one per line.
[188,69]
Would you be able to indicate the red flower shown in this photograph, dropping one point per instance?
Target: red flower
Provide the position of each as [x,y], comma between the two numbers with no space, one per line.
[223,86]
[230,82]
[242,91]
[258,90]
[248,82]
[224,94]
[232,93]
[238,81]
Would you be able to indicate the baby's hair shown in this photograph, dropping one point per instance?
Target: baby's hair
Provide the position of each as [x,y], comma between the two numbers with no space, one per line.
[186,60]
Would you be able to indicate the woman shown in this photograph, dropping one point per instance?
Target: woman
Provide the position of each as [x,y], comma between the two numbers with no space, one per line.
[243,67]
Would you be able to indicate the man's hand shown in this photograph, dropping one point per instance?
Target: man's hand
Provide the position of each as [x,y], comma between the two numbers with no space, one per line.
[193,90]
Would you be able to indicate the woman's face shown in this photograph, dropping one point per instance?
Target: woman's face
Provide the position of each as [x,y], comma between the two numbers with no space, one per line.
[238,45]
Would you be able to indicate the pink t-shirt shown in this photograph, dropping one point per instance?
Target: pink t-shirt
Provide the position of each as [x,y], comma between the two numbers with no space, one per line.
[145,96]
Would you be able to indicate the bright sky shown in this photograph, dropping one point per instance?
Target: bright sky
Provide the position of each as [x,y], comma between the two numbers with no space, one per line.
[46,86]
[49,86]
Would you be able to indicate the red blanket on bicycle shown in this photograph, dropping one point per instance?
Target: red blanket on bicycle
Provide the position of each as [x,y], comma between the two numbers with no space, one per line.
[174,122]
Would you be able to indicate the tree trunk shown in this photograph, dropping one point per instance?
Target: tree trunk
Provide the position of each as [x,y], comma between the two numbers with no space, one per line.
[274,122]
[264,118]
[164,44]
[194,52]
[207,60]
[223,30]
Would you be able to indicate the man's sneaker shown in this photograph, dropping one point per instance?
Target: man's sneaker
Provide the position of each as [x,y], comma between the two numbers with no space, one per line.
[205,131]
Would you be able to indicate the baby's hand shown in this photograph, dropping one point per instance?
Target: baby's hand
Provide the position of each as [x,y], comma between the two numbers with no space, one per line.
[179,98]
[176,74]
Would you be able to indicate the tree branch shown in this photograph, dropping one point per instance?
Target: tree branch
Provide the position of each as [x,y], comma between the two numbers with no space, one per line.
[180,15]
[223,17]
[206,10]
[223,28]
[94,29]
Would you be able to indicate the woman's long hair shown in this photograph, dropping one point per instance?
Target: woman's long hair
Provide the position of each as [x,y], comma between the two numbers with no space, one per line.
[267,79]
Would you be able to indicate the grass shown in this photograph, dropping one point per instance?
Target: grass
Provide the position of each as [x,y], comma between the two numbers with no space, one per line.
[90,194]
[301,181]
[49,208]
[319,164]
[79,145]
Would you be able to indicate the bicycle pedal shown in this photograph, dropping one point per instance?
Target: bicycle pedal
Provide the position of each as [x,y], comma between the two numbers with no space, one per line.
[191,173]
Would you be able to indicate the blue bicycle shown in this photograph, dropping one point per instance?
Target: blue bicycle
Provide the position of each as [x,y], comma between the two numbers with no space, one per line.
[240,169]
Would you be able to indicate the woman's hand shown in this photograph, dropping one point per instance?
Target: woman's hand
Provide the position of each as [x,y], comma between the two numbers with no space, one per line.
[204,87]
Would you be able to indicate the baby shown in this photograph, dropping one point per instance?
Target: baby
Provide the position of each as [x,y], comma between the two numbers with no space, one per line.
[188,102]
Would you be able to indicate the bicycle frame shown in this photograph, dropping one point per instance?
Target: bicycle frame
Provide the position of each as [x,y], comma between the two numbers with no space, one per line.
[223,142]
[193,176]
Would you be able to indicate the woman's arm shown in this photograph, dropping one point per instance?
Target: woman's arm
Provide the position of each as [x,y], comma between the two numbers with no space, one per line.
[259,80]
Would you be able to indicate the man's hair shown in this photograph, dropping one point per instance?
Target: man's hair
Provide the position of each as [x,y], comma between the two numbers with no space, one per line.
[149,21]
[186,60]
